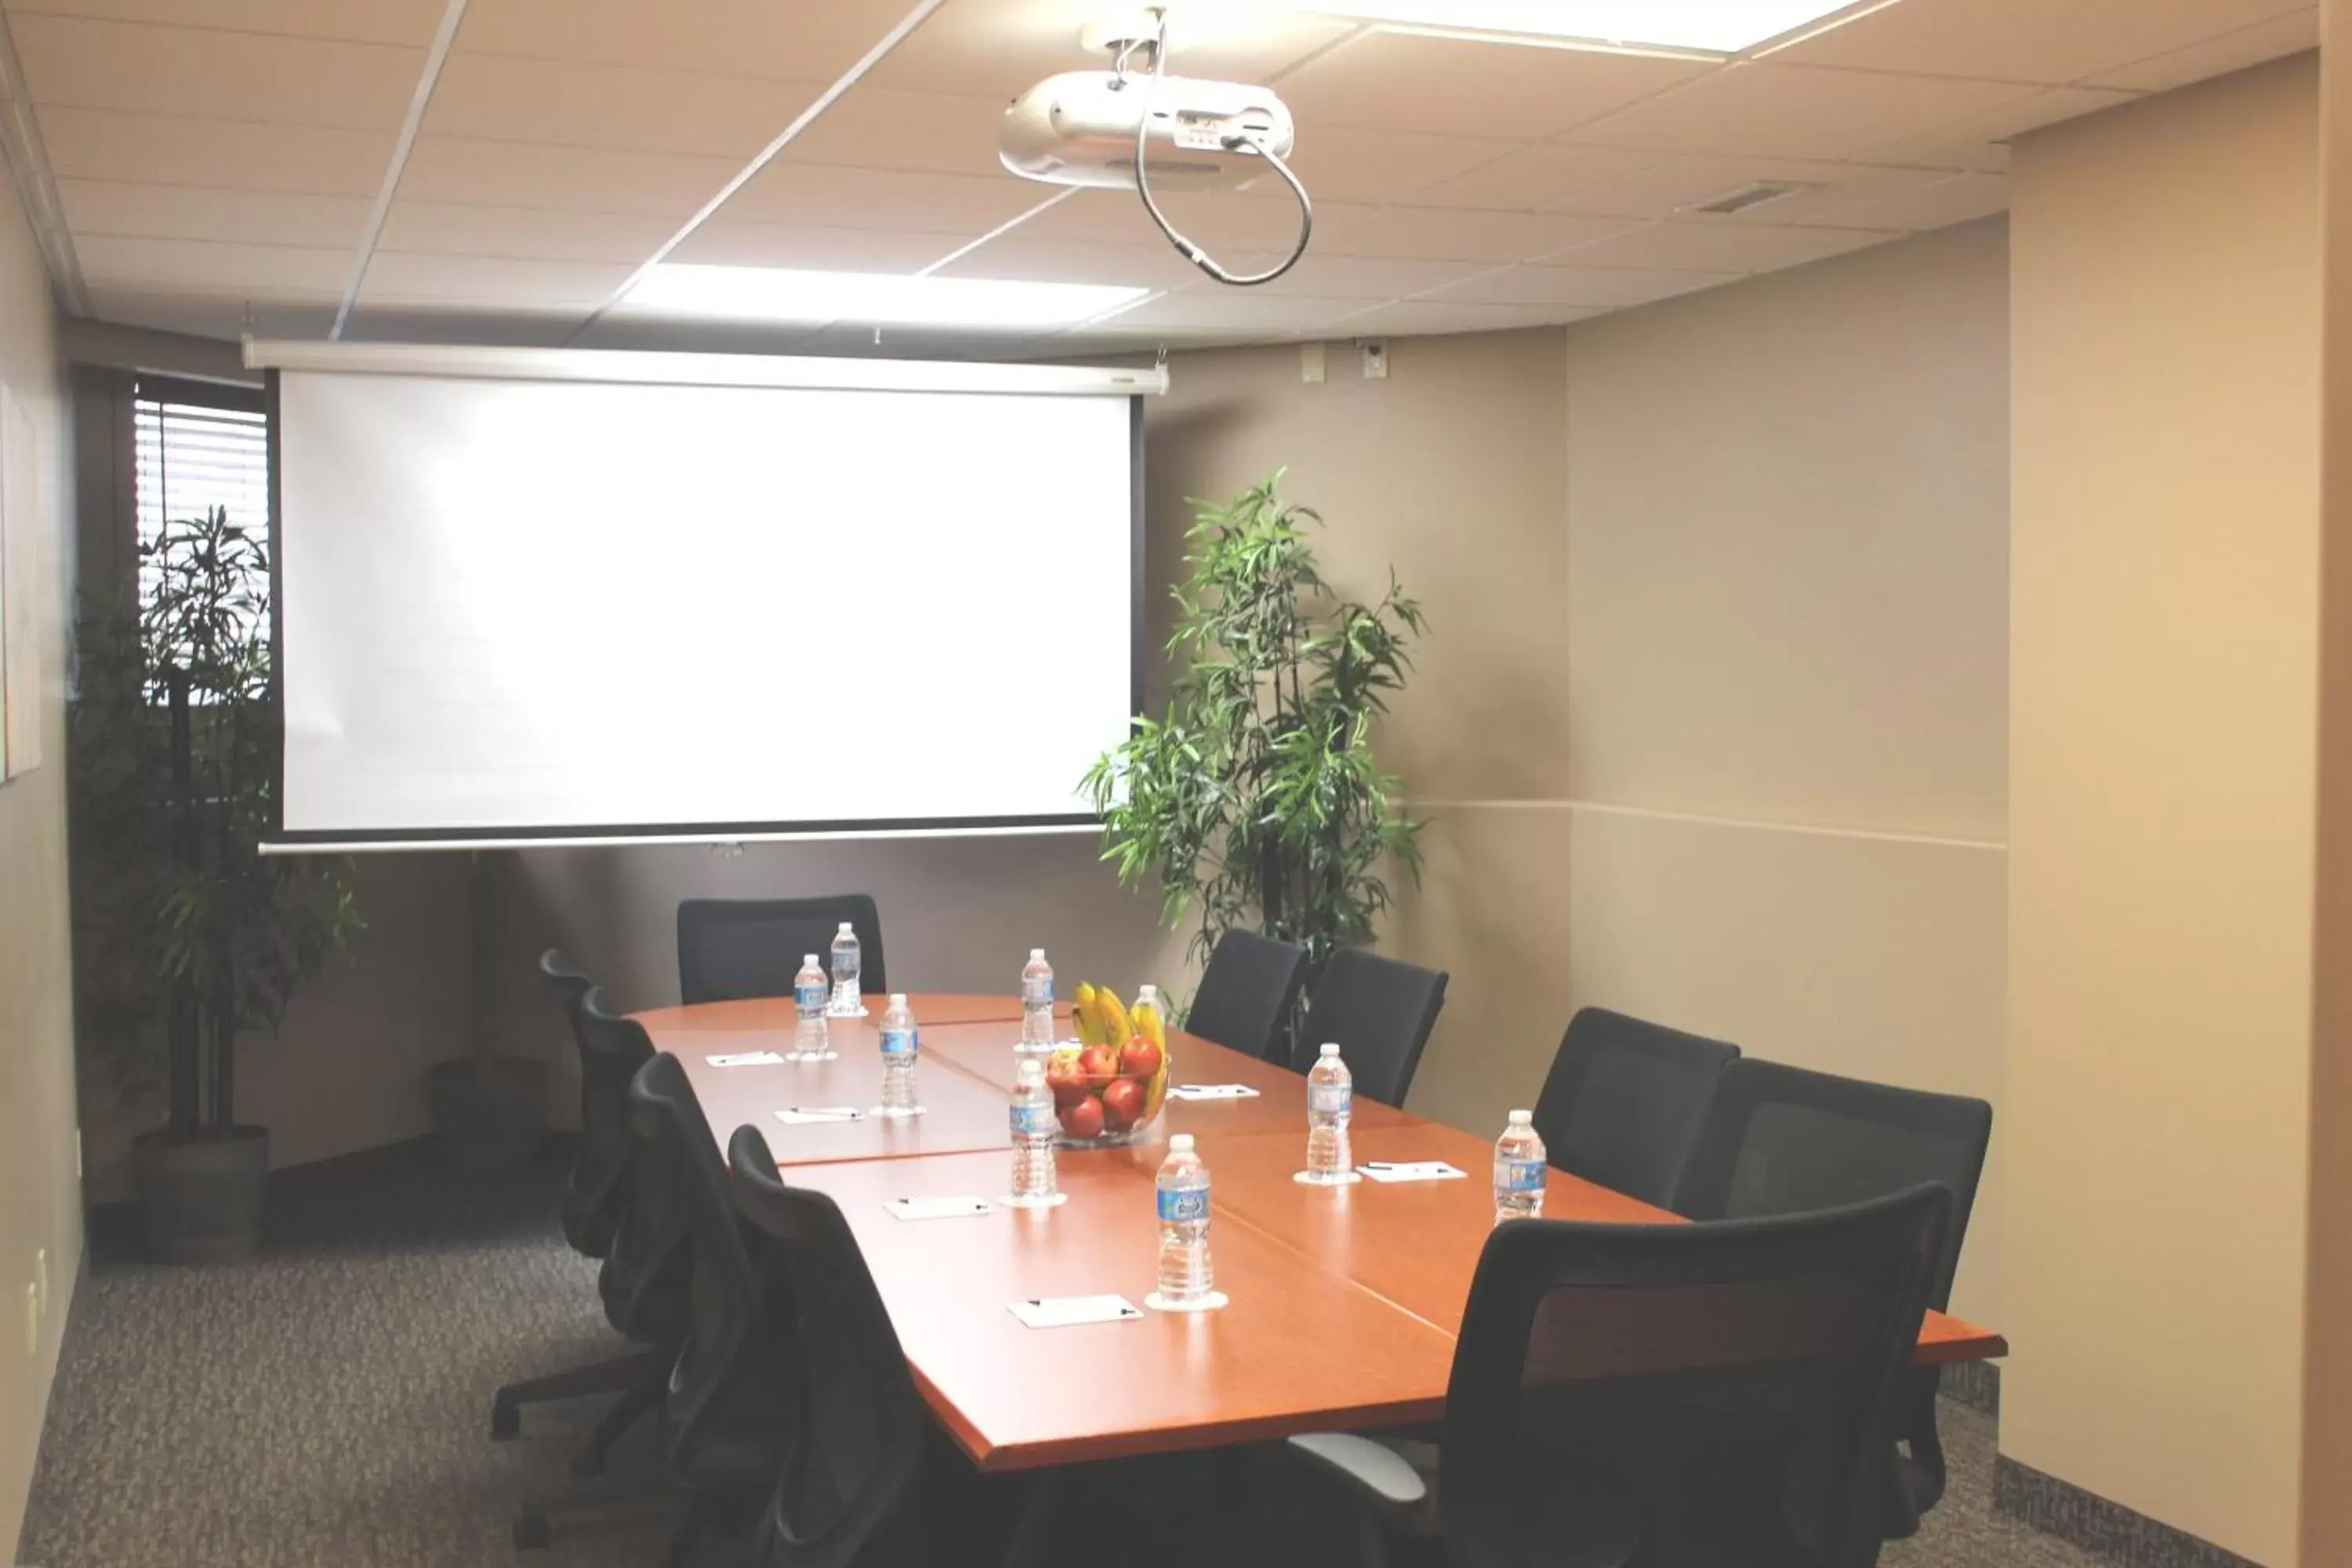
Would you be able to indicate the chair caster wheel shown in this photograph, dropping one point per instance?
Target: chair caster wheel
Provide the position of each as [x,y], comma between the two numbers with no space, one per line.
[530,1532]
[506,1421]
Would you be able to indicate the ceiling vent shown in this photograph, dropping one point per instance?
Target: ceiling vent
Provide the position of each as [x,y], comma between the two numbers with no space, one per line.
[1747,196]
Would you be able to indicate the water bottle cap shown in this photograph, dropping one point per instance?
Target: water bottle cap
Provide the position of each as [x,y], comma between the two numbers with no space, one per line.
[1331,1048]
[808,958]
[1036,955]
[1149,992]
[844,930]
[897,998]
[1523,1118]
[1179,1144]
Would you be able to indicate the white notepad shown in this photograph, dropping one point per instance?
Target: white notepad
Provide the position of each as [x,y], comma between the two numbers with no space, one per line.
[802,1115]
[743,1059]
[1211,1092]
[939,1208]
[1411,1170]
[1066,1311]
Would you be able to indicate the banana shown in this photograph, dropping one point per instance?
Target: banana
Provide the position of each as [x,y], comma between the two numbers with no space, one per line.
[1116,1028]
[1145,1016]
[1082,1009]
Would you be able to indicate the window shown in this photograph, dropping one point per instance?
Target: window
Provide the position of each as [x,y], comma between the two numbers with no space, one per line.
[198,447]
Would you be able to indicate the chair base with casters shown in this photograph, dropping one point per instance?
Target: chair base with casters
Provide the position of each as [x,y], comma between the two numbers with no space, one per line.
[616,1375]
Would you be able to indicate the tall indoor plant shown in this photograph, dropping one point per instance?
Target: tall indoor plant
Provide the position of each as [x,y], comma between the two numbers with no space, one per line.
[185,935]
[1258,794]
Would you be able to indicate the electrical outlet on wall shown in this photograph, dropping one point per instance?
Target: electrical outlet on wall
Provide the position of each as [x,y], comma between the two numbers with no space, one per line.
[1376,359]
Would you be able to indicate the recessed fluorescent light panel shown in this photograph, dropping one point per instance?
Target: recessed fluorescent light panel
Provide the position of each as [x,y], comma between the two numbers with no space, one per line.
[785,294]
[1711,27]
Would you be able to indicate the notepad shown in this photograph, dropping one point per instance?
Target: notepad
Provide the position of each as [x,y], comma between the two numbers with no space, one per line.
[939,1208]
[743,1059]
[1411,1170]
[1066,1311]
[802,1115]
[1211,1092]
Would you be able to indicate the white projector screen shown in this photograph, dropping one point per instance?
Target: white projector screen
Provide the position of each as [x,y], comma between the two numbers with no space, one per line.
[514,607]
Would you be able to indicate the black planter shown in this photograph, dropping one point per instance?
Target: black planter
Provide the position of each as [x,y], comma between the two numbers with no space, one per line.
[202,1202]
[489,1116]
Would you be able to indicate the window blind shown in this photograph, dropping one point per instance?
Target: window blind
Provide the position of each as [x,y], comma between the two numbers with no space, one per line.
[193,457]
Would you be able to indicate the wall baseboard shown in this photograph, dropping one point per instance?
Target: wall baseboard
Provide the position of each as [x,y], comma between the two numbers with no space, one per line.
[2090,1522]
[1974,1383]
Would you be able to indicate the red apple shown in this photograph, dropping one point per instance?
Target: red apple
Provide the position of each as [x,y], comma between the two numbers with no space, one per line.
[1099,1062]
[1138,1058]
[1083,1119]
[1068,1083]
[1122,1102]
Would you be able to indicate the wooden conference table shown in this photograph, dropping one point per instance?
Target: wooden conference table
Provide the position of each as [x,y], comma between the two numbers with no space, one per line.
[1345,1301]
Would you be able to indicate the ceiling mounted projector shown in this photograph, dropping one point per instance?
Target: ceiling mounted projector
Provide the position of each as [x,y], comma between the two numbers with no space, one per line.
[1129,128]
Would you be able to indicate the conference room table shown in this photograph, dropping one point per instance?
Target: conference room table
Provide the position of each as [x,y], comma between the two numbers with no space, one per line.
[1344,1302]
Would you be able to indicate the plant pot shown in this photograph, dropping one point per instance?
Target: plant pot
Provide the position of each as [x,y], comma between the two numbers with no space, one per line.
[202,1203]
[489,1116]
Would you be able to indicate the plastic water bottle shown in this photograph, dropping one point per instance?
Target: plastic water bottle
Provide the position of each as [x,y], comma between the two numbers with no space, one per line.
[1037,1005]
[1185,1276]
[1330,1101]
[900,1044]
[1035,1128]
[810,1041]
[1519,1167]
[848,1001]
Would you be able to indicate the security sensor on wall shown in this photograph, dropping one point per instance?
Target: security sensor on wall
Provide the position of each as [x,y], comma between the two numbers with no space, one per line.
[1133,126]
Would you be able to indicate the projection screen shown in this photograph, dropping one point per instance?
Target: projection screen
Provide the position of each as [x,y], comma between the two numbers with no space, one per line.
[526,596]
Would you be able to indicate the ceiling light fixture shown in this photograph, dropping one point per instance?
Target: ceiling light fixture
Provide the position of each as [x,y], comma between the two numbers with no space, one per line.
[787,294]
[1702,27]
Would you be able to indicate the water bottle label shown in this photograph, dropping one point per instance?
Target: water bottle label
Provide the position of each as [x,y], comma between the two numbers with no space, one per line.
[1330,1099]
[809,998]
[1520,1175]
[897,1042]
[1034,1121]
[1036,991]
[1183,1204]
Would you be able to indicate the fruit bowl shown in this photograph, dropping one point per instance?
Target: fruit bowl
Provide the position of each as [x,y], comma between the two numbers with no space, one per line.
[1109,1084]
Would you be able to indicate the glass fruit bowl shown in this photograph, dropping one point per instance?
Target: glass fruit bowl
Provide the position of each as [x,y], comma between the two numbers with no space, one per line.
[1105,1098]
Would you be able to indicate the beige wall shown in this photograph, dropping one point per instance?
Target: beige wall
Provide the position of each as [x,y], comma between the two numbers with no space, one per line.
[2165,550]
[40,1204]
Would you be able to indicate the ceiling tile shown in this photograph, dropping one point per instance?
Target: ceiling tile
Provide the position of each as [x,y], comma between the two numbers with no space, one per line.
[207,74]
[2287,34]
[1671,188]
[537,233]
[505,99]
[1702,245]
[258,271]
[1464,235]
[1000,49]
[1075,261]
[1954,199]
[220,155]
[2048,41]
[1212,308]
[1355,278]
[1462,86]
[411,22]
[1974,142]
[1358,163]
[1596,287]
[730,242]
[183,212]
[1217,219]
[1535,177]
[871,128]
[1422,318]
[473,172]
[717,37]
[210,315]
[823,196]
[1794,111]
[474,279]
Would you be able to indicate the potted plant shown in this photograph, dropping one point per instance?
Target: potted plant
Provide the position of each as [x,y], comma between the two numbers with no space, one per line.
[185,935]
[1258,793]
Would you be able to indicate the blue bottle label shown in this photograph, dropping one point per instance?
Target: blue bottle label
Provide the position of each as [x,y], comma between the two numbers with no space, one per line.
[1520,1175]
[1183,1204]
[1036,991]
[1330,1099]
[1034,1121]
[897,1042]
[809,996]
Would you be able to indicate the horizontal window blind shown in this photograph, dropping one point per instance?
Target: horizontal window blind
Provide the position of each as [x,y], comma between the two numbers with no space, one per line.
[192,459]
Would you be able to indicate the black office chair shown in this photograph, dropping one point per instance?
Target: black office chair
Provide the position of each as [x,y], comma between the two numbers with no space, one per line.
[1247,995]
[1625,1101]
[729,1397]
[1671,1397]
[1780,1140]
[733,948]
[592,1199]
[1380,1011]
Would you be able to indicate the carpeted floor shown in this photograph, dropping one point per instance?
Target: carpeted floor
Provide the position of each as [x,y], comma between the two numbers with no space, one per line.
[327,1403]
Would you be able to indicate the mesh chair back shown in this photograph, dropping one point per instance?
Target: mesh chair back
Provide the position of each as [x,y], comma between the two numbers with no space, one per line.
[587,1216]
[647,1269]
[847,1478]
[1625,1100]
[1703,1396]
[611,1048]
[1247,995]
[732,948]
[1380,1011]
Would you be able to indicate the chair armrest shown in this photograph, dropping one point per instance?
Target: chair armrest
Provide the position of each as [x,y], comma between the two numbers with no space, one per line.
[1382,1474]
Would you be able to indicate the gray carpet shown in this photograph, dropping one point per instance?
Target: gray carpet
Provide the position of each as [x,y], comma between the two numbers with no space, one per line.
[327,1403]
